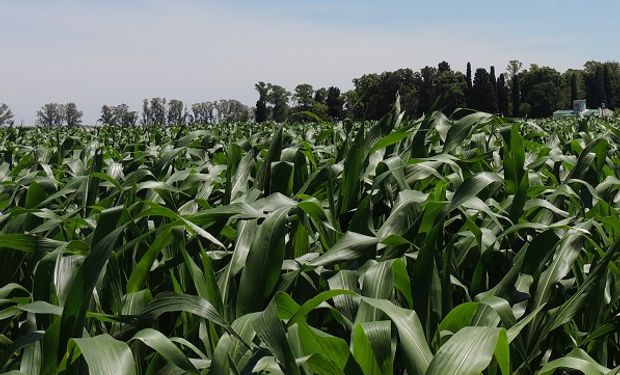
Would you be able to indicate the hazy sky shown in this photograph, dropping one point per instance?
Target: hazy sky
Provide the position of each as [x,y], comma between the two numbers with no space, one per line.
[121,51]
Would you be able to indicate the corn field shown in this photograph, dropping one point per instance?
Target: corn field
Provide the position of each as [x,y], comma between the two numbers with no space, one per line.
[477,245]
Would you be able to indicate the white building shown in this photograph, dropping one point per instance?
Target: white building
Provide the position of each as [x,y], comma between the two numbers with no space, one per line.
[580,110]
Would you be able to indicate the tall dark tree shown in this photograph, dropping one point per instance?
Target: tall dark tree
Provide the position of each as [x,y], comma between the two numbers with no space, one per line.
[502,95]
[468,79]
[334,103]
[493,79]
[443,67]
[427,89]
[483,92]
[516,96]
[595,88]
[513,68]
[262,112]
[608,89]
[320,95]
[573,88]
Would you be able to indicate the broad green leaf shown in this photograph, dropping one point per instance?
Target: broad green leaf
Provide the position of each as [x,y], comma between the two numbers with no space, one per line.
[263,264]
[468,352]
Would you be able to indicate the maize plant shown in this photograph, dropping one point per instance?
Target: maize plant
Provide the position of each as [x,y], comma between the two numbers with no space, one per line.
[469,244]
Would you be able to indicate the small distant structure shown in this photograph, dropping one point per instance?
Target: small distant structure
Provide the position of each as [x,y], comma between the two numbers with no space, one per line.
[580,110]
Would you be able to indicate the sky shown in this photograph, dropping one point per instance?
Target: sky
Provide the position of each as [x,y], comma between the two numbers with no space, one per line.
[121,51]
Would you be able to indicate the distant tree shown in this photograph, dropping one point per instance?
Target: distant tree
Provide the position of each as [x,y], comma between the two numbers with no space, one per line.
[202,113]
[450,89]
[51,114]
[176,112]
[320,95]
[279,97]
[146,112]
[154,111]
[158,111]
[320,110]
[516,96]
[107,115]
[353,106]
[123,116]
[525,110]
[262,113]
[573,87]
[427,92]
[6,116]
[468,80]
[362,101]
[599,88]
[502,95]
[230,111]
[542,88]
[493,79]
[73,116]
[304,97]
[443,67]
[334,103]
[374,94]
[595,87]
[608,88]
[514,67]
[239,112]
[483,93]
[379,92]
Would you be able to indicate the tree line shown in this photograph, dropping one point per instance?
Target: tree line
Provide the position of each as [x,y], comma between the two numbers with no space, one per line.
[155,111]
[534,92]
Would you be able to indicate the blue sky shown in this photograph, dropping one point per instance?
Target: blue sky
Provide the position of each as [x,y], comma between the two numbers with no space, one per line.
[111,52]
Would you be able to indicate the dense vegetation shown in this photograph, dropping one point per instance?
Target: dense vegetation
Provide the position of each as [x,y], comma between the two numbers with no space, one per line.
[436,246]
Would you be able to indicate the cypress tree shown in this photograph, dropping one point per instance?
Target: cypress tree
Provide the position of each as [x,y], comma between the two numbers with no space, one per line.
[493,79]
[483,92]
[262,112]
[469,85]
[516,96]
[502,95]
[595,89]
[608,91]
[573,88]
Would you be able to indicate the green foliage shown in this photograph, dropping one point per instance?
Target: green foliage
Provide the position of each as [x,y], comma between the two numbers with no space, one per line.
[440,245]
[483,96]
